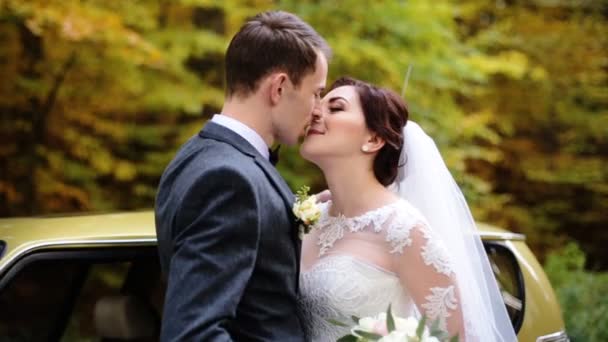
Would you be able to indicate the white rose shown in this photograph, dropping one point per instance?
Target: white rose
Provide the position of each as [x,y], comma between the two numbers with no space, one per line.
[366,324]
[406,325]
[429,339]
[375,324]
[307,210]
[297,209]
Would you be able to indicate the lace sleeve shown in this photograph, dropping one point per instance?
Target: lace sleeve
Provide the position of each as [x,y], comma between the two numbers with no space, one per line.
[424,269]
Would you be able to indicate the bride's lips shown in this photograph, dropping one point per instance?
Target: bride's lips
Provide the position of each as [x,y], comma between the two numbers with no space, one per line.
[312,131]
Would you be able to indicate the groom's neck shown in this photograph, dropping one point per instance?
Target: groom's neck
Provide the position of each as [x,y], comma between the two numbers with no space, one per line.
[251,112]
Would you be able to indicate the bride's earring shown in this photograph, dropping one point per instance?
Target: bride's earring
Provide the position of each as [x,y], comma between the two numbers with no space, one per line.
[364,148]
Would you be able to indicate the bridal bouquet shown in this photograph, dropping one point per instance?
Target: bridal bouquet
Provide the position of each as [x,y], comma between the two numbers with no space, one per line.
[387,328]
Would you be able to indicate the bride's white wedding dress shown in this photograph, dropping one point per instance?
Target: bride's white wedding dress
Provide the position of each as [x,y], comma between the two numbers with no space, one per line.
[345,271]
[421,254]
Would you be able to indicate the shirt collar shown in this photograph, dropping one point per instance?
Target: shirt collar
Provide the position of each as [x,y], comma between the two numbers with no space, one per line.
[244,131]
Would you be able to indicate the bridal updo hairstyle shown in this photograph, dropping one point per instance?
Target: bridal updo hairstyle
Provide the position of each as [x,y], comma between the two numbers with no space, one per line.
[385,115]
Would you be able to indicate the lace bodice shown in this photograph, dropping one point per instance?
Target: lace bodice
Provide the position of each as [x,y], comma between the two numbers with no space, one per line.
[358,266]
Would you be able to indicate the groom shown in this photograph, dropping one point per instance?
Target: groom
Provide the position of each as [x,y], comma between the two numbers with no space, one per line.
[227,239]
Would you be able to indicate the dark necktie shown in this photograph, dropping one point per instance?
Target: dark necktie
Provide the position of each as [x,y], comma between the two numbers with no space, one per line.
[274,155]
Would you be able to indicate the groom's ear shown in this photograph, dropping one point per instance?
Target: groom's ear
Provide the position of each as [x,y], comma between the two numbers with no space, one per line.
[373,144]
[277,83]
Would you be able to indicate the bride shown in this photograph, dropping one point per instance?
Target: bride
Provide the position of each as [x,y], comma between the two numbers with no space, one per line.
[397,230]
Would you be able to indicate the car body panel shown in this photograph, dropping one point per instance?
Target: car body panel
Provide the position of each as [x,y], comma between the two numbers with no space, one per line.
[24,236]
[542,313]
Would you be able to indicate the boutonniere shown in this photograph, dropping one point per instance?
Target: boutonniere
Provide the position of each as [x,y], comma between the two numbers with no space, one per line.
[306,211]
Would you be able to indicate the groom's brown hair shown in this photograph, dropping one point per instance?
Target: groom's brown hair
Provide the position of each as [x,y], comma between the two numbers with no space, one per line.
[271,41]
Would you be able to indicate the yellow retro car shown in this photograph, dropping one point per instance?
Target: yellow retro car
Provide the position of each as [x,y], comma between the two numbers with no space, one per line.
[97,278]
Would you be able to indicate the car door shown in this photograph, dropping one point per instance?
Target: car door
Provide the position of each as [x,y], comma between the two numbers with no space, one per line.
[87,294]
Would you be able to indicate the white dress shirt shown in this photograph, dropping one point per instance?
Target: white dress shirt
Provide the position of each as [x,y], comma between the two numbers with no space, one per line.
[244,131]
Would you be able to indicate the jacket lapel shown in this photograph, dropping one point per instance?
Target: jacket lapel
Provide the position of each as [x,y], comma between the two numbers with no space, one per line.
[221,133]
[278,182]
[288,198]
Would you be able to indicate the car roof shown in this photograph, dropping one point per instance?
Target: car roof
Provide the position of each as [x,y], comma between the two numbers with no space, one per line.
[112,226]
[25,235]
[135,228]
[491,232]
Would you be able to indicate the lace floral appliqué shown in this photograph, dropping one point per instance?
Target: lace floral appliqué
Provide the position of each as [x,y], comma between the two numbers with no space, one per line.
[434,253]
[398,235]
[333,227]
[438,303]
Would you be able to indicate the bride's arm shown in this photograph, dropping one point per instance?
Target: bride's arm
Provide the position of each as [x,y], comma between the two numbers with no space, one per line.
[424,269]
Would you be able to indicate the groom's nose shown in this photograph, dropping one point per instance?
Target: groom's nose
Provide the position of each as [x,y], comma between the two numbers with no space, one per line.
[317,112]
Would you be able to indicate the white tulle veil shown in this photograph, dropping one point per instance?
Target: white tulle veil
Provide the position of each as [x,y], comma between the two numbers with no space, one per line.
[425,181]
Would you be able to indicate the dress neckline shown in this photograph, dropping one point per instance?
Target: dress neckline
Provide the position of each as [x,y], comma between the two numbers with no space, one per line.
[332,228]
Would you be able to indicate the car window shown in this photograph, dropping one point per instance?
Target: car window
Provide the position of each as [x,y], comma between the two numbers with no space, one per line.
[509,278]
[35,299]
[81,296]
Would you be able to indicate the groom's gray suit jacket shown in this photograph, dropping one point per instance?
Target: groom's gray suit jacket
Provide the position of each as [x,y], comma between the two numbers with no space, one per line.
[228,244]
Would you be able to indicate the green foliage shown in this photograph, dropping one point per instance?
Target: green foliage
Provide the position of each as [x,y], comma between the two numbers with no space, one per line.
[302,193]
[548,106]
[582,294]
[98,95]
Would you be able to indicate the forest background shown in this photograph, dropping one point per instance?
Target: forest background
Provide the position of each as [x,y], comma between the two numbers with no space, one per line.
[96,96]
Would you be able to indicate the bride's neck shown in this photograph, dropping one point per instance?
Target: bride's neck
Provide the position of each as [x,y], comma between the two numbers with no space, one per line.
[355,190]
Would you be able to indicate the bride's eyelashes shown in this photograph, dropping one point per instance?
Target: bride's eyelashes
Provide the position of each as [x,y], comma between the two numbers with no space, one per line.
[335,109]
[336,105]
